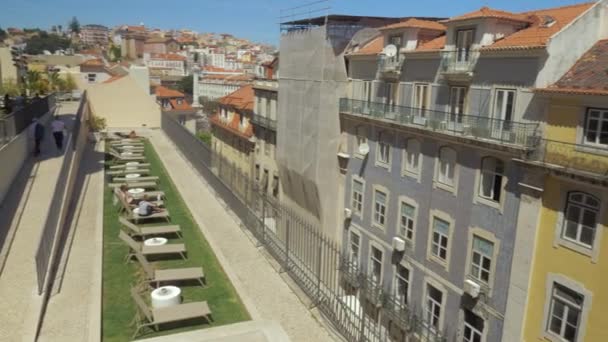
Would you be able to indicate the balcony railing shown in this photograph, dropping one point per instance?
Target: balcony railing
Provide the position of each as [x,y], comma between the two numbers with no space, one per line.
[572,157]
[390,66]
[350,272]
[459,61]
[17,121]
[470,126]
[397,311]
[264,122]
[372,290]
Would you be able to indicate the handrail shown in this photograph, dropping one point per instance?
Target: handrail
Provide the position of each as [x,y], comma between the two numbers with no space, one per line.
[572,157]
[459,60]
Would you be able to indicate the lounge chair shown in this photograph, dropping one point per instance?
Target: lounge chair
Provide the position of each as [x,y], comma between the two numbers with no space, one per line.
[125,159]
[122,172]
[133,214]
[131,185]
[139,247]
[154,317]
[135,230]
[138,179]
[172,275]
[133,153]
[125,206]
[124,166]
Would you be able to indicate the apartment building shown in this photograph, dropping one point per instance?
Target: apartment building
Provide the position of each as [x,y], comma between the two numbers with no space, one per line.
[94,35]
[166,64]
[93,71]
[160,45]
[264,120]
[567,297]
[218,84]
[232,138]
[439,210]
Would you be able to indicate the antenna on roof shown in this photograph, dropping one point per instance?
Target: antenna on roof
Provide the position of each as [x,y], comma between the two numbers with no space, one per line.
[305,11]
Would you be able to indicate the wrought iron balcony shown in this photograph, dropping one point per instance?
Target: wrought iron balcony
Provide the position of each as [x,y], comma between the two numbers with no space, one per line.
[390,67]
[469,126]
[350,272]
[585,160]
[397,311]
[372,290]
[459,64]
[264,122]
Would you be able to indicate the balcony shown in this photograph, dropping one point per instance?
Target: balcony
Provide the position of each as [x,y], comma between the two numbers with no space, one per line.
[350,272]
[583,160]
[264,122]
[520,135]
[390,67]
[372,290]
[458,65]
[397,312]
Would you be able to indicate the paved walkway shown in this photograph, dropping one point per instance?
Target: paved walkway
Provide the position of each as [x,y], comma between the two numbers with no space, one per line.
[264,292]
[74,309]
[19,301]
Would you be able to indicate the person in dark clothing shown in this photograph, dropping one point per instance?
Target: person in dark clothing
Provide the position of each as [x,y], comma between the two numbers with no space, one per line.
[8,108]
[58,126]
[38,136]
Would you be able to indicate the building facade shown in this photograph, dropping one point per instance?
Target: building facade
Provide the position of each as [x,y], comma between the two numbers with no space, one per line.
[437,117]
[166,64]
[94,35]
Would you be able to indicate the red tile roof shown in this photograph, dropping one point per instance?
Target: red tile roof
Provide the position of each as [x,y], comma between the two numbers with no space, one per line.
[177,106]
[233,126]
[486,12]
[92,62]
[416,23]
[432,45]
[114,78]
[373,47]
[166,92]
[588,76]
[168,56]
[241,99]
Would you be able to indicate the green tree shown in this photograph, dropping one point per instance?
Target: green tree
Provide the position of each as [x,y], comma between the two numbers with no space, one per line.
[209,106]
[74,25]
[185,84]
[115,53]
[205,137]
[10,87]
[54,80]
[70,83]
[44,41]
[3,34]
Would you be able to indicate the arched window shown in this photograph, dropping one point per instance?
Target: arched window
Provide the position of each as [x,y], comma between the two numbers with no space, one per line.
[412,156]
[492,172]
[447,165]
[580,221]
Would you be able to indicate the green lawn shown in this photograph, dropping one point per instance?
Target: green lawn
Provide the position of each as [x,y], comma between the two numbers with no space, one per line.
[118,307]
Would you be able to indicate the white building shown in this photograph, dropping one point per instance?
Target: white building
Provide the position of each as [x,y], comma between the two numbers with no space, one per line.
[217,60]
[167,64]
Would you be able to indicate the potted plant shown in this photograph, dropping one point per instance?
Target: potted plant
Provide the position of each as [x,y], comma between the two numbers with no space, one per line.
[97,124]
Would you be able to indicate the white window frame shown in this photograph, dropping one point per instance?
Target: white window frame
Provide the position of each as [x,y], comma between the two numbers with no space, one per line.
[376,210]
[479,183]
[458,103]
[466,325]
[405,300]
[430,255]
[500,111]
[480,264]
[383,149]
[357,260]
[441,178]
[91,77]
[583,207]
[360,139]
[402,230]
[409,156]
[602,118]
[421,95]
[430,303]
[357,211]
[373,261]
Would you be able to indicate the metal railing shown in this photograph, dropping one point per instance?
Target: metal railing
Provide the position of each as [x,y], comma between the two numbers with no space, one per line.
[17,121]
[572,157]
[391,65]
[461,61]
[470,126]
[311,259]
[264,122]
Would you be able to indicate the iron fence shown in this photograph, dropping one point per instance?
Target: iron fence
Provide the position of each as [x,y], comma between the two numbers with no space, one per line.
[471,126]
[264,122]
[17,121]
[459,61]
[592,160]
[312,260]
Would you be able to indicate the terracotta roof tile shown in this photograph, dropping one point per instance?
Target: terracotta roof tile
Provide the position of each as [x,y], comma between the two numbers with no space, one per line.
[416,23]
[432,45]
[486,12]
[234,125]
[373,47]
[168,56]
[166,92]
[538,34]
[92,62]
[588,76]
[241,99]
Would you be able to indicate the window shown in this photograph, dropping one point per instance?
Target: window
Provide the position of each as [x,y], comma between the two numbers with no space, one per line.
[439,244]
[355,245]
[384,149]
[361,137]
[464,41]
[412,156]
[402,284]
[257,172]
[596,127]
[375,265]
[267,142]
[91,78]
[490,186]
[259,106]
[265,181]
[581,218]
[434,298]
[481,260]
[275,186]
[447,165]
[503,108]
[473,327]
[458,97]
[379,207]
[390,95]
[357,199]
[406,222]
[565,312]
[395,40]
[367,92]
[268,107]
[421,99]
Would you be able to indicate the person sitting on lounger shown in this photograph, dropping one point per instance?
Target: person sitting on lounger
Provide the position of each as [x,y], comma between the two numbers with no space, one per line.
[132,135]
[124,192]
[147,208]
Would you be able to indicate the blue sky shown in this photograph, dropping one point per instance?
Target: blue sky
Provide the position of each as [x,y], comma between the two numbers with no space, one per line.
[252,19]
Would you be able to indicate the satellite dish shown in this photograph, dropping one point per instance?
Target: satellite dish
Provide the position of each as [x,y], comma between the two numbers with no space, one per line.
[364,149]
[390,50]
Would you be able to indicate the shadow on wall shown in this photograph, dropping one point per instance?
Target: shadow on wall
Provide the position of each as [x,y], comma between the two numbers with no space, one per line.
[301,191]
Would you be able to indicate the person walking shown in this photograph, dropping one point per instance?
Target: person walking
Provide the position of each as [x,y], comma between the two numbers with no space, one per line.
[38,136]
[58,126]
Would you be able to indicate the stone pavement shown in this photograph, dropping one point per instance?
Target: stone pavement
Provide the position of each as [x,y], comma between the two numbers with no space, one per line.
[73,312]
[262,289]
[250,331]
[20,303]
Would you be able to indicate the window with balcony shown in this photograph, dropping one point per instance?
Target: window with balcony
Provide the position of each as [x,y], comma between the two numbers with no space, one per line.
[401,284]
[446,174]
[481,259]
[440,239]
[464,42]
[268,107]
[412,157]
[458,97]
[357,197]
[361,139]
[490,185]
[596,127]
[354,247]
[504,107]
[375,265]
[472,327]
[367,94]
[565,313]
[383,155]
[407,221]
[581,216]
[259,107]
[380,200]
[434,300]
[390,95]
[421,99]
[267,142]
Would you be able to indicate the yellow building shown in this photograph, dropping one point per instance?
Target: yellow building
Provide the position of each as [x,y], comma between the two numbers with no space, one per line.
[567,298]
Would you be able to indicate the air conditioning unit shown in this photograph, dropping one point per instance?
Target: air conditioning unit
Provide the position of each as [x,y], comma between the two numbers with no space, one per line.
[348,213]
[472,288]
[398,244]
